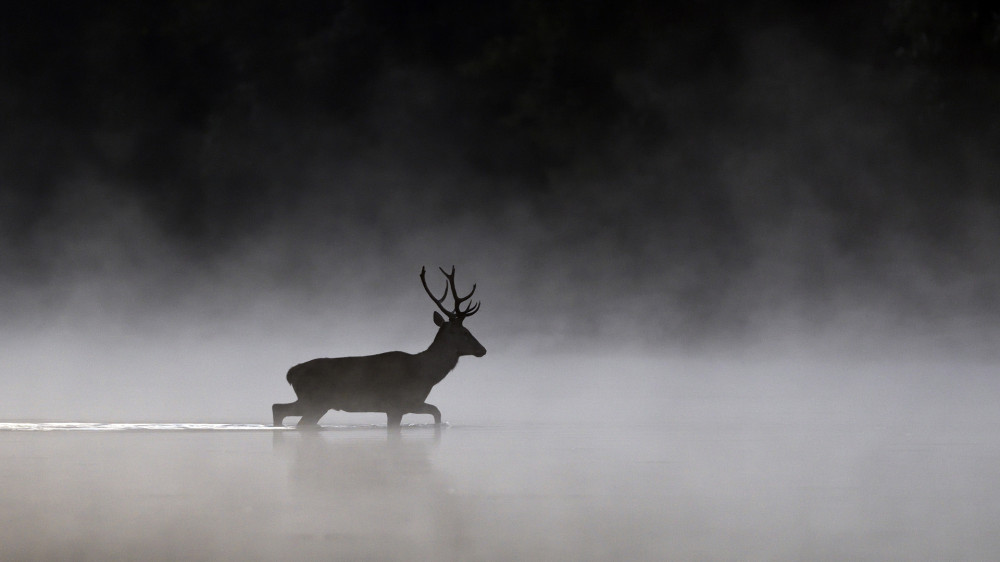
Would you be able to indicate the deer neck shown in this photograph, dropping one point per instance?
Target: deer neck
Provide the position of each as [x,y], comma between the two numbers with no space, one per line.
[437,361]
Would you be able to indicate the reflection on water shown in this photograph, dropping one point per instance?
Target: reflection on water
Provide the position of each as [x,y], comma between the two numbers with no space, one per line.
[756,489]
[373,495]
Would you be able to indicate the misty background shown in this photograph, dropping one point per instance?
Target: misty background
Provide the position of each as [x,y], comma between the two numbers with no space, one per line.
[194,197]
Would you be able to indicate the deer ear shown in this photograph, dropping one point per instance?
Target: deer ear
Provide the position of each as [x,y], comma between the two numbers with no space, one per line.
[438,320]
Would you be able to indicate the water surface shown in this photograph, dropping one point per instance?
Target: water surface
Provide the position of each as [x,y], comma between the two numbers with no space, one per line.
[727,490]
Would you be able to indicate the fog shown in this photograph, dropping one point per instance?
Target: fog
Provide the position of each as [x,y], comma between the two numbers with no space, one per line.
[753,315]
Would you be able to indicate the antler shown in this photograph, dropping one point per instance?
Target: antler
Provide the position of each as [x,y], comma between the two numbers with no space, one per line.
[458,314]
[431,295]
[469,310]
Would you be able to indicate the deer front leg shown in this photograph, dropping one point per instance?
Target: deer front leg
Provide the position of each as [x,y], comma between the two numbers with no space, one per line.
[393,419]
[431,409]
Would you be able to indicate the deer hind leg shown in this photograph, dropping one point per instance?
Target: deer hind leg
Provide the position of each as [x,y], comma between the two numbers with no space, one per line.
[281,411]
[310,419]
[431,409]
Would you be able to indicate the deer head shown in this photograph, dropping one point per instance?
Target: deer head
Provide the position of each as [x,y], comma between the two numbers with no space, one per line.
[451,332]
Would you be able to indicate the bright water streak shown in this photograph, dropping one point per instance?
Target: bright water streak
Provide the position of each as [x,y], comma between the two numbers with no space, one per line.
[178,426]
[94,426]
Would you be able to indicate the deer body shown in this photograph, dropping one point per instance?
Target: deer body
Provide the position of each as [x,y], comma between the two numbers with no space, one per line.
[395,383]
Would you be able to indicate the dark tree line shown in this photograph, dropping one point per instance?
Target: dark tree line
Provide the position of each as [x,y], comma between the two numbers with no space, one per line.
[142,91]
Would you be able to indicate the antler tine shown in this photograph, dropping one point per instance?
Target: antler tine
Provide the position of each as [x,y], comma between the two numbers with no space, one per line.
[466,297]
[470,310]
[437,301]
[449,276]
[458,313]
[454,292]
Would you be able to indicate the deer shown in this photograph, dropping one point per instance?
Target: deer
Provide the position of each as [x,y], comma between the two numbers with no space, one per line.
[395,382]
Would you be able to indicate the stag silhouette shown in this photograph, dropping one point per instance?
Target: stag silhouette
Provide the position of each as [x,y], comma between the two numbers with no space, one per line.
[395,382]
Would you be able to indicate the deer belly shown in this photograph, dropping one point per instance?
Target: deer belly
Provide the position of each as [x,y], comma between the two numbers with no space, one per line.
[373,402]
[358,404]
[340,384]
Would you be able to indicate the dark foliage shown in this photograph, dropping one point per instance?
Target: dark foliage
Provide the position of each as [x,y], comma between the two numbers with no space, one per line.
[168,95]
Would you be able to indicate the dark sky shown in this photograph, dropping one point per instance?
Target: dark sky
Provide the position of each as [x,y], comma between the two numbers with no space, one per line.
[607,168]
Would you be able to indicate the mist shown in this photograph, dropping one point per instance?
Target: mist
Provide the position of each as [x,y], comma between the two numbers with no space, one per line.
[759,238]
